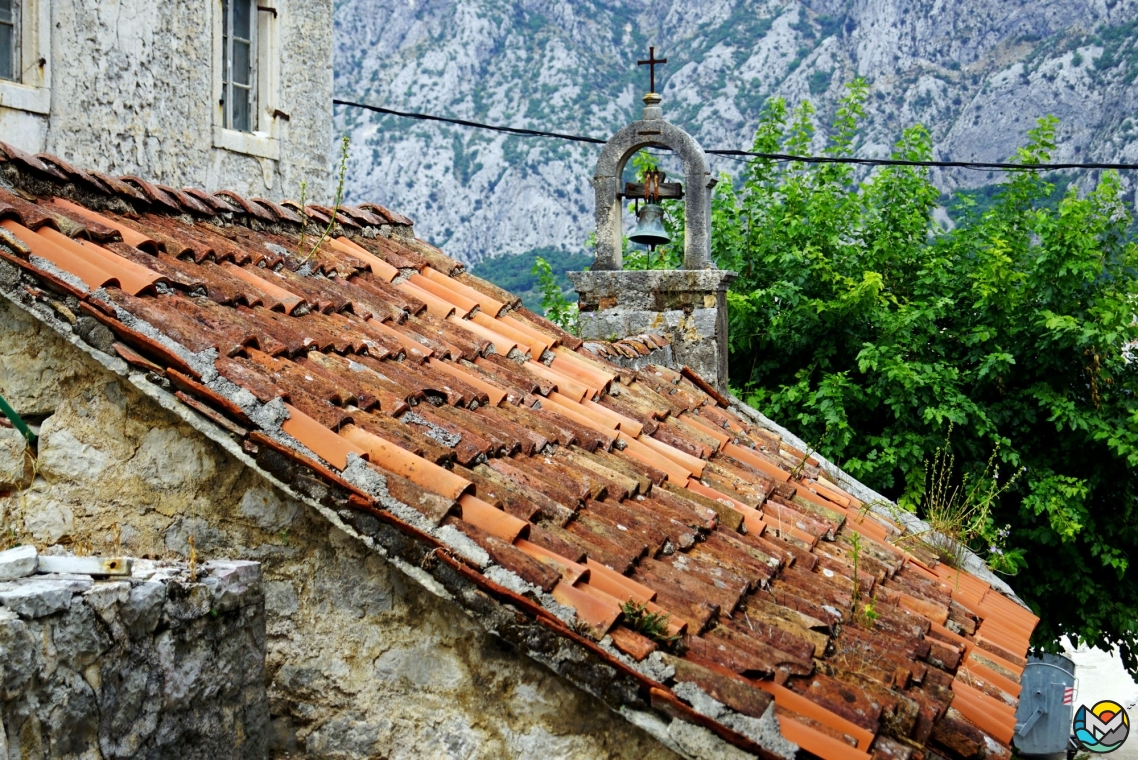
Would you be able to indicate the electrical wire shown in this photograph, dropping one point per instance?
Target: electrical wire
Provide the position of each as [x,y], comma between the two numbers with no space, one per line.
[746,154]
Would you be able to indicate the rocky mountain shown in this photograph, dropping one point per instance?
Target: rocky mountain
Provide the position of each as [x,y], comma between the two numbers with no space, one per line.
[977,73]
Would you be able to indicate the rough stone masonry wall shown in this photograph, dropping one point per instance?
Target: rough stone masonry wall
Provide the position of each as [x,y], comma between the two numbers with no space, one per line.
[132,92]
[361,661]
[154,666]
[688,306]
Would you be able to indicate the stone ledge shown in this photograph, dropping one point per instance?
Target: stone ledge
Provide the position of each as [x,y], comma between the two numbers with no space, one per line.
[617,323]
[620,284]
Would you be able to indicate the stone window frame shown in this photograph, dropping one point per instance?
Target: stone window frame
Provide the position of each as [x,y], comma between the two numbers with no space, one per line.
[264,139]
[31,90]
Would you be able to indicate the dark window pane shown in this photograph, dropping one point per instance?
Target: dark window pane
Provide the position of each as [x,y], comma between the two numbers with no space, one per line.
[241,62]
[240,109]
[6,15]
[7,52]
[242,19]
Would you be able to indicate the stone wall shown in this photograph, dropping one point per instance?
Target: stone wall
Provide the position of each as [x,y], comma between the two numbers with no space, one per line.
[132,92]
[687,306]
[362,661]
[153,666]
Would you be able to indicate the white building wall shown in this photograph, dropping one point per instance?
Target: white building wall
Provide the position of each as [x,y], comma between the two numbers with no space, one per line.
[134,88]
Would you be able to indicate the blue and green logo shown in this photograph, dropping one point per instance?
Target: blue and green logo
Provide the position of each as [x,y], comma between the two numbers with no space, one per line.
[1103,728]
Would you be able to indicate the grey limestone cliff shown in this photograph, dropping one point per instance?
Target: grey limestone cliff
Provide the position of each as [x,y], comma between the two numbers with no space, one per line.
[977,74]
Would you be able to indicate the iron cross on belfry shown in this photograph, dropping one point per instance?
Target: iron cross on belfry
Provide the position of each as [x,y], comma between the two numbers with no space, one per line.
[651,64]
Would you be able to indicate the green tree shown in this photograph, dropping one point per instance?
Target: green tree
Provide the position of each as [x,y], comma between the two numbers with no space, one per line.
[861,322]
[556,307]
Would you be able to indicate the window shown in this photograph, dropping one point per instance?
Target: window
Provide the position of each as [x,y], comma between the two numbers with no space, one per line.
[238,41]
[245,54]
[25,55]
[9,40]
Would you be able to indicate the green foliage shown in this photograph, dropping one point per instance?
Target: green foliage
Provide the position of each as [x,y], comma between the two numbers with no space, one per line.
[557,309]
[973,204]
[514,272]
[345,141]
[1119,49]
[654,625]
[856,316]
[820,81]
[830,25]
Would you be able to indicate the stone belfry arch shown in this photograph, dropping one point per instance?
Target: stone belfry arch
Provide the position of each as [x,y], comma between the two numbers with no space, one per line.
[688,305]
[652,131]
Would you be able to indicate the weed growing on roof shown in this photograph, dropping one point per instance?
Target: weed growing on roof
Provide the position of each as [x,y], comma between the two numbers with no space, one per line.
[869,611]
[797,470]
[654,625]
[867,614]
[558,309]
[959,511]
[344,142]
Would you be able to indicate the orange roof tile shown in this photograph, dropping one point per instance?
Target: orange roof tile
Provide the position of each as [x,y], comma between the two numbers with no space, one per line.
[488,305]
[594,482]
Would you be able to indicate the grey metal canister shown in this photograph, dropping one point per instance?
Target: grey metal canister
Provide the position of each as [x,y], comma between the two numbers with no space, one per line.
[1043,722]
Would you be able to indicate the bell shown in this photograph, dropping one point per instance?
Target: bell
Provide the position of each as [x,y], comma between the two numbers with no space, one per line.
[650,227]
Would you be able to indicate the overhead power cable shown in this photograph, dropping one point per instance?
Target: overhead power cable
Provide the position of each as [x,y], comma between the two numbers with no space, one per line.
[727,153]
[465,123]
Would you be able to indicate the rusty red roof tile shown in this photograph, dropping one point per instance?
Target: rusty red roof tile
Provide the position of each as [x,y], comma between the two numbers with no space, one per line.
[509,556]
[386,214]
[251,209]
[363,217]
[156,196]
[592,481]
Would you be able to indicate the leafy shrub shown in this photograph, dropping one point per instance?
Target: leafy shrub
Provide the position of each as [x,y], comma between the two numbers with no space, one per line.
[556,307]
[856,319]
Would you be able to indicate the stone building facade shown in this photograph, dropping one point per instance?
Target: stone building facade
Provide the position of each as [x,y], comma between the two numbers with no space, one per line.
[158,90]
[362,661]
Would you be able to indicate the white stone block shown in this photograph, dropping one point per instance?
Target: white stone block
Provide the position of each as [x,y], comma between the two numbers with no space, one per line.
[235,583]
[37,598]
[18,562]
[86,565]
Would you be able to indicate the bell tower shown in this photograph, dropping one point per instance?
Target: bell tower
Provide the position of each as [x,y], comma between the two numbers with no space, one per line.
[687,305]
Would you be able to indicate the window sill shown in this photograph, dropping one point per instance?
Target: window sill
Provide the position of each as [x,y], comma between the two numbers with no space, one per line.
[25,98]
[250,143]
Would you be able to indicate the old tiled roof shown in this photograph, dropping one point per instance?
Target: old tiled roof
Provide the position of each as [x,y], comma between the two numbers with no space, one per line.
[594,483]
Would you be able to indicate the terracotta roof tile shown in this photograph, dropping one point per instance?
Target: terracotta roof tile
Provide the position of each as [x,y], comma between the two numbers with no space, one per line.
[481,335]
[594,482]
[153,193]
[364,217]
[251,209]
[632,643]
[391,457]
[539,549]
[509,556]
[29,161]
